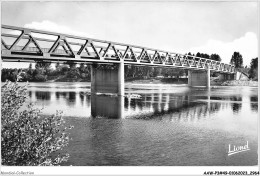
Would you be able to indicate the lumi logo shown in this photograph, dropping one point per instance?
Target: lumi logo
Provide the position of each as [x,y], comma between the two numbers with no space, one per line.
[237,149]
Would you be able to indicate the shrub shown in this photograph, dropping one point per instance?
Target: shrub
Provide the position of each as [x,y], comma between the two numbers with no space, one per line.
[28,138]
[40,78]
[73,73]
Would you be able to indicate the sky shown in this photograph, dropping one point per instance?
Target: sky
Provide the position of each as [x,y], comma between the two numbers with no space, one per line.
[181,27]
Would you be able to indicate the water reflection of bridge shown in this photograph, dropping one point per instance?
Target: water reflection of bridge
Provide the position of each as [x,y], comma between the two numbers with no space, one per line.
[172,106]
[152,105]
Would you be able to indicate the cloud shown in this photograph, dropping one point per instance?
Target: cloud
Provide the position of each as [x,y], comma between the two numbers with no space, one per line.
[245,45]
[54,27]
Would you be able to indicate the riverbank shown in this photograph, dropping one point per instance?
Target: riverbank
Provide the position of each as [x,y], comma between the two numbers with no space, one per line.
[66,79]
[213,82]
[233,83]
[159,81]
[240,83]
[134,81]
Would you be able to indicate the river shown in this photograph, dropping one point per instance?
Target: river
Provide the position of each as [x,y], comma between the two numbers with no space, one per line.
[170,125]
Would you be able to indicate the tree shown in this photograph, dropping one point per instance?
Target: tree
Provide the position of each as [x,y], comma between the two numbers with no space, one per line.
[30,66]
[57,66]
[40,78]
[8,74]
[237,60]
[28,139]
[81,67]
[198,55]
[71,64]
[73,73]
[29,73]
[215,57]
[44,65]
[253,72]
[203,55]
[14,75]
[64,69]
[30,70]
[189,53]
[23,76]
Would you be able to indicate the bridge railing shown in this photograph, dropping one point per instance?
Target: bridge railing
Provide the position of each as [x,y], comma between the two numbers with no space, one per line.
[31,44]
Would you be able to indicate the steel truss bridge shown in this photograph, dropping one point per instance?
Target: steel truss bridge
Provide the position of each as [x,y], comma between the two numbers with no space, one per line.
[28,45]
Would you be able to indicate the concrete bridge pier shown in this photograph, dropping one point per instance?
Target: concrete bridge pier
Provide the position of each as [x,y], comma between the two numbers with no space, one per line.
[199,78]
[225,77]
[107,78]
[231,76]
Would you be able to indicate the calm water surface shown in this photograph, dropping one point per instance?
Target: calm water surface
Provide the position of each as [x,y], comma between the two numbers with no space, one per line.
[170,125]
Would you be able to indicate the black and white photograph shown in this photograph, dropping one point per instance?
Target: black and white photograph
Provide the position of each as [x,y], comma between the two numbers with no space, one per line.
[129,83]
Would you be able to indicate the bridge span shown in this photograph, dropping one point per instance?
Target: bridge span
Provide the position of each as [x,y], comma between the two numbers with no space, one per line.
[31,45]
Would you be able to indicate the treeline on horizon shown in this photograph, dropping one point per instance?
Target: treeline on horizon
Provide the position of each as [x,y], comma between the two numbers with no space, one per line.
[71,72]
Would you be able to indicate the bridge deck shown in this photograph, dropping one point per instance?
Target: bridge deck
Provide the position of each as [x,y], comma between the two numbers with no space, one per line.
[26,45]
